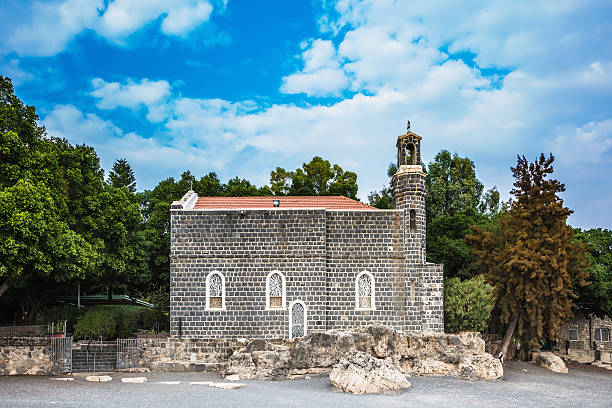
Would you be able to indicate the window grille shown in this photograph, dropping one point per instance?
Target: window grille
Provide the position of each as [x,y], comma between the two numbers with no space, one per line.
[364,291]
[215,291]
[275,290]
[298,327]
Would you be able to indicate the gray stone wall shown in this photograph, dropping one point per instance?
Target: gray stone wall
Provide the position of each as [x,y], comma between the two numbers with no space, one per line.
[25,360]
[246,245]
[370,241]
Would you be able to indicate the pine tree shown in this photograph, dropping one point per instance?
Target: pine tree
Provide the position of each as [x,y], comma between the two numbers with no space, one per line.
[122,175]
[532,259]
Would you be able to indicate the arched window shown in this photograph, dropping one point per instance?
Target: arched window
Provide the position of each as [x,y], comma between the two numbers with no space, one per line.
[275,290]
[364,291]
[215,291]
[297,319]
[413,227]
[411,154]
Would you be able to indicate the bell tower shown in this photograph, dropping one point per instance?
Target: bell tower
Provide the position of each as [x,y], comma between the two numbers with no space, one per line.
[409,192]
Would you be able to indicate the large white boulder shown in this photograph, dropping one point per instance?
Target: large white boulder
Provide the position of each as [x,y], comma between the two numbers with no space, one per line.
[551,362]
[360,373]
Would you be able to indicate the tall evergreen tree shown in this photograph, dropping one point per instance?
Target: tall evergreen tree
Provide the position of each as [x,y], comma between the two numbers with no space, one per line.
[121,175]
[532,259]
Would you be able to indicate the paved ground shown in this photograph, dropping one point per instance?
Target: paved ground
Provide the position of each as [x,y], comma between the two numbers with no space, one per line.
[523,385]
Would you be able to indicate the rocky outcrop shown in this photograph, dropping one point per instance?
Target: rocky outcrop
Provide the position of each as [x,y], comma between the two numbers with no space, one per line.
[417,354]
[360,373]
[551,362]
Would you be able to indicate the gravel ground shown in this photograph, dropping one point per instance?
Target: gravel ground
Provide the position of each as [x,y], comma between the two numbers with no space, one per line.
[524,384]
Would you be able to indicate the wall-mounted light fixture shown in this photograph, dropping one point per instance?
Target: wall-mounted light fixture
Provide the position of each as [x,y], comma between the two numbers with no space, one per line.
[276,203]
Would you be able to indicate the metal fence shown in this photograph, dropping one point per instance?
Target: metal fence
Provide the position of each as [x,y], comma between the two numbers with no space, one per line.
[128,353]
[61,354]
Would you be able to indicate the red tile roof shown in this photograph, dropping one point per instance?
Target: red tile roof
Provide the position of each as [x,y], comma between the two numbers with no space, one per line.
[327,202]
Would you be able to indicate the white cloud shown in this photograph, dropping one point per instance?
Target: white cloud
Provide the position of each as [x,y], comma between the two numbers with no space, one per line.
[131,95]
[49,27]
[321,74]
[182,20]
[591,143]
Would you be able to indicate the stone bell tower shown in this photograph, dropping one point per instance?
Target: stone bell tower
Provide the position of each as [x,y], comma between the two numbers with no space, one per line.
[409,192]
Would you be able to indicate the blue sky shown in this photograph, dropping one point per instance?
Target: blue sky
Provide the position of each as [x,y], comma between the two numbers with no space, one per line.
[240,87]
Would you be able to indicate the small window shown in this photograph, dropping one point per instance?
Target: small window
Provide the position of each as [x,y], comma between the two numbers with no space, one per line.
[364,291]
[413,227]
[572,334]
[275,290]
[215,291]
[602,334]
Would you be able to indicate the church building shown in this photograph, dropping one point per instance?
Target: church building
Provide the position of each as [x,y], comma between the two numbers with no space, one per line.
[282,266]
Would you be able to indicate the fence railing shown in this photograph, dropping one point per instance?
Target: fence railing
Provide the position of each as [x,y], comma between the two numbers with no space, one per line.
[24,331]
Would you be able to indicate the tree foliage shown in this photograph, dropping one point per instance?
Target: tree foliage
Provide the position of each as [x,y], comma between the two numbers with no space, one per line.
[597,296]
[532,258]
[467,304]
[122,175]
[317,177]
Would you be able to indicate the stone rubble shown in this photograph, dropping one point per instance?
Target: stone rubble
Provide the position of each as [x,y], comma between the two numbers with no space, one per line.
[415,354]
[360,373]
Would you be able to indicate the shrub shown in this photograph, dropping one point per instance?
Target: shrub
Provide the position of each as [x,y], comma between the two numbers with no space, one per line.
[467,304]
[95,324]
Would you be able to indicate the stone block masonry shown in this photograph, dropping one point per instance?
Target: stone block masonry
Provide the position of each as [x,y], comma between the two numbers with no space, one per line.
[320,252]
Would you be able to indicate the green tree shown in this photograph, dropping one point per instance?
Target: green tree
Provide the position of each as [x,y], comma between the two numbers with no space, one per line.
[41,186]
[467,304]
[597,296]
[237,187]
[121,175]
[35,243]
[532,259]
[452,185]
[117,222]
[19,134]
[317,177]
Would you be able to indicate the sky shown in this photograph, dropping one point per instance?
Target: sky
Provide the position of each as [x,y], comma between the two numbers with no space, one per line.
[240,87]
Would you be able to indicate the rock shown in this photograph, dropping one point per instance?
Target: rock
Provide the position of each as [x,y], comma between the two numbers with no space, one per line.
[360,373]
[98,378]
[134,380]
[551,362]
[321,349]
[233,377]
[481,367]
[227,386]
[62,379]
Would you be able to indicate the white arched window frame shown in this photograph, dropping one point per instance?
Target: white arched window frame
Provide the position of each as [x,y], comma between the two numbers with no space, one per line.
[364,292]
[215,291]
[291,319]
[272,298]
